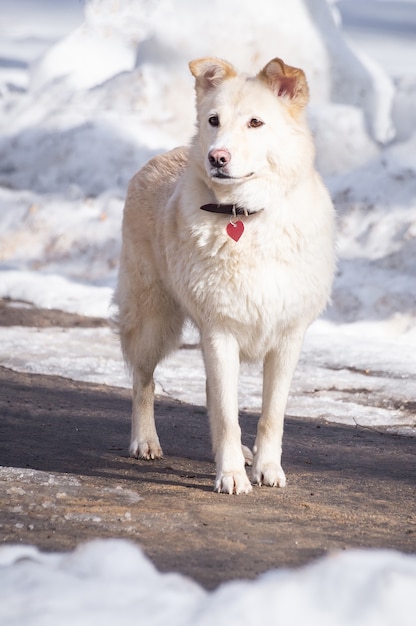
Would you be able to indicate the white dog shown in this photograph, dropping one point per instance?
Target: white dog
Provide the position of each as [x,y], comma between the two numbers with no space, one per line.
[237,234]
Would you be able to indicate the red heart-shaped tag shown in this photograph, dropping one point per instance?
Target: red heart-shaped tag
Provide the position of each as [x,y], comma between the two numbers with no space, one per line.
[235,229]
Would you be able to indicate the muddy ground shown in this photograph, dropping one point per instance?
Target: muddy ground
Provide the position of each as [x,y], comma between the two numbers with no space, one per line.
[66,477]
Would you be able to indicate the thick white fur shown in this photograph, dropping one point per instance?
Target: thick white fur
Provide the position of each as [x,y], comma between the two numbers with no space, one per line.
[252,299]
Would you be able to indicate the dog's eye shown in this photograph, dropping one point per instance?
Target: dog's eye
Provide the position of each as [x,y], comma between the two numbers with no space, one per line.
[255,123]
[214,120]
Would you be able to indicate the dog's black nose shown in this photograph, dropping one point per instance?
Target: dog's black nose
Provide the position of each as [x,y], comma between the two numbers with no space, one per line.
[219,158]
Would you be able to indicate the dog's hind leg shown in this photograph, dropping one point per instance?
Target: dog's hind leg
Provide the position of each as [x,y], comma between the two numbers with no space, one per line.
[154,334]
[278,368]
[144,440]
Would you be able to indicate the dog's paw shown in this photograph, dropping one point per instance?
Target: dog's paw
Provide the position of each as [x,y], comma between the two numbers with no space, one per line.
[270,474]
[148,450]
[233,482]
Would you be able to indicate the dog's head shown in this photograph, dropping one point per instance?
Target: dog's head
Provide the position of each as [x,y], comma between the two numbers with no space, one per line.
[249,125]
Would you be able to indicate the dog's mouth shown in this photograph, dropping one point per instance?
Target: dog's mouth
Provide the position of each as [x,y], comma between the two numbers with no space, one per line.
[219,175]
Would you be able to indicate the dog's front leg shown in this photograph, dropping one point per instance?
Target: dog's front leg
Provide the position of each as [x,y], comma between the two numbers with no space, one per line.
[222,364]
[278,368]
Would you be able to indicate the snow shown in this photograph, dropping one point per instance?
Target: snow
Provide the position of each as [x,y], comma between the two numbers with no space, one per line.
[108,582]
[88,92]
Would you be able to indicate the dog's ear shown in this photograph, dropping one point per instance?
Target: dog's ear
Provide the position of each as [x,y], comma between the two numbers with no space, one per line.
[210,72]
[286,81]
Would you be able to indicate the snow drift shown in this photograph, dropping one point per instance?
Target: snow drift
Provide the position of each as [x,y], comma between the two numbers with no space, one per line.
[112,582]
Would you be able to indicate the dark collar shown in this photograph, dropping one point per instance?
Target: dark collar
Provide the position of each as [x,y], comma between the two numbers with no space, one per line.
[227,209]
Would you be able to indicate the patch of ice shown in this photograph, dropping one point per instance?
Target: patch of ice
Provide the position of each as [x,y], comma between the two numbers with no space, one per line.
[355,374]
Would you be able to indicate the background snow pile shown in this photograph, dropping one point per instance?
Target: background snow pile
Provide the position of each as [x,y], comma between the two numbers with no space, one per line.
[112,582]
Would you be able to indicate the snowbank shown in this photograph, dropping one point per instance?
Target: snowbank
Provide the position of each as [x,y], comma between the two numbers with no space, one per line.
[115,38]
[112,582]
